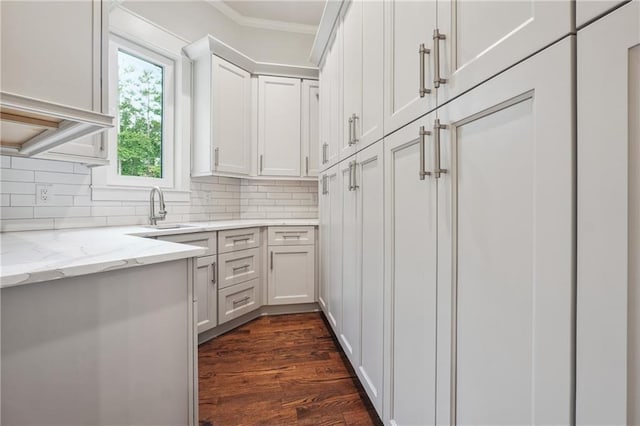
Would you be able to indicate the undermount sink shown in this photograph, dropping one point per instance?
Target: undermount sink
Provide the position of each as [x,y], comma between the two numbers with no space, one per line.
[169,226]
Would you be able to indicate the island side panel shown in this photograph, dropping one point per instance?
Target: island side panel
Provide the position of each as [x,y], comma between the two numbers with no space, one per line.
[107,348]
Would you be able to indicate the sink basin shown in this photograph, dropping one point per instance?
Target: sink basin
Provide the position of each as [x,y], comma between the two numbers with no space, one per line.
[168,226]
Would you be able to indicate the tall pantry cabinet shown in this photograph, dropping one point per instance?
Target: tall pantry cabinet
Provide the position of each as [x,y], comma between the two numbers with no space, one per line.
[465,207]
[608,296]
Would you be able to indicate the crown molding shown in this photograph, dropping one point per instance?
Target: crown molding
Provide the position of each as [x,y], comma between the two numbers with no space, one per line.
[210,45]
[265,24]
[328,21]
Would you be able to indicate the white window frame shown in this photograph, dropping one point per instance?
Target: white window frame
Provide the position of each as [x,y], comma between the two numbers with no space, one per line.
[117,43]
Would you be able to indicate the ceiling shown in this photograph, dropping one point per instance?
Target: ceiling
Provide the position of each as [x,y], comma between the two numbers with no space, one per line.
[296,12]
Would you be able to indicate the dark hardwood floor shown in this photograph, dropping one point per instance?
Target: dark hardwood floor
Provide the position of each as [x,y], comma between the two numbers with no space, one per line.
[280,370]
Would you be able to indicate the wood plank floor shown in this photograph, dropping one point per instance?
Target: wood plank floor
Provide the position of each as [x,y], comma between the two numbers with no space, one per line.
[280,370]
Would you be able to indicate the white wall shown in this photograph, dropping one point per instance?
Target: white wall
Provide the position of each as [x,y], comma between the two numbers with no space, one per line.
[192,20]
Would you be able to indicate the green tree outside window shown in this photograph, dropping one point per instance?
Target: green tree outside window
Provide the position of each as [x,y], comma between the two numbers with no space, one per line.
[140,104]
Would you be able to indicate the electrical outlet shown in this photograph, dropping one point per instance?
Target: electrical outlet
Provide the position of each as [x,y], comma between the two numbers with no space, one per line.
[44,194]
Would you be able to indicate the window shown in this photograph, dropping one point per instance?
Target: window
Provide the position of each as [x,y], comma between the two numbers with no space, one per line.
[142,99]
[140,113]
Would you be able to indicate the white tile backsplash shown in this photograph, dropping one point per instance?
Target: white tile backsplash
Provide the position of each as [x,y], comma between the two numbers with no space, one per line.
[70,204]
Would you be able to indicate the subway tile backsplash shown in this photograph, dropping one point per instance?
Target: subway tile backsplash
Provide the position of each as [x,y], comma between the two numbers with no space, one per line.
[71,206]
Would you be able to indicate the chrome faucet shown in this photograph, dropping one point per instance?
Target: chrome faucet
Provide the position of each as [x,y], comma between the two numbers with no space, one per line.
[153,219]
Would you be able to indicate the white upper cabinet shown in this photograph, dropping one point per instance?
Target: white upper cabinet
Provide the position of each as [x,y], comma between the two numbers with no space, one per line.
[369,127]
[479,39]
[352,77]
[608,289]
[331,102]
[278,126]
[506,246]
[51,51]
[310,127]
[587,10]
[54,62]
[221,118]
[408,64]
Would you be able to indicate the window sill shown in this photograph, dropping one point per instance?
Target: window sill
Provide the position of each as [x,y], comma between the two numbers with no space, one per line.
[135,193]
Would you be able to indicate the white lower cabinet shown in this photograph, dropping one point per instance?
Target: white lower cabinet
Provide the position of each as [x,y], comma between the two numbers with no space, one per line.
[206,292]
[291,277]
[369,184]
[410,274]
[608,274]
[329,288]
[238,300]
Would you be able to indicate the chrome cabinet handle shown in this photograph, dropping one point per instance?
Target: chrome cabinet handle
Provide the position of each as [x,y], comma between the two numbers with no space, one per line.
[423,134]
[422,51]
[437,80]
[436,147]
[260,163]
[350,176]
[354,139]
[351,130]
[306,161]
[324,185]
[271,261]
[324,152]
[244,299]
[216,155]
[235,268]
[353,171]
[241,240]
[214,267]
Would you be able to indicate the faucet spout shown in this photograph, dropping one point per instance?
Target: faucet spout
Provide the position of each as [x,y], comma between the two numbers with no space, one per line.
[162,214]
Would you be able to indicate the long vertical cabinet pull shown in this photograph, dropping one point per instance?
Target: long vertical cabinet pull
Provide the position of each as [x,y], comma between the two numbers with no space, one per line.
[306,165]
[423,133]
[351,130]
[214,268]
[354,184]
[354,137]
[261,163]
[436,147]
[350,176]
[423,51]
[271,260]
[437,80]
[216,157]
[324,153]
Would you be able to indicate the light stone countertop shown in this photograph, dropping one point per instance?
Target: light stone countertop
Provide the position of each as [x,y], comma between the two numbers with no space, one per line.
[33,256]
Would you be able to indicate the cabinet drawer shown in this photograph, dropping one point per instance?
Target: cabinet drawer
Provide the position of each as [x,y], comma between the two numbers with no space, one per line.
[292,235]
[238,266]
[238,300]
[202,239]
[238,239]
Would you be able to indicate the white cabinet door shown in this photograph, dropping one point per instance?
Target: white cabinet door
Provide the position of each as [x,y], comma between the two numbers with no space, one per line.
[278,126]
[587,10]
[310,127]
[291,275]
[231,118]
[336,107]
[410,281]
[369,127]
[408,25]
[334,188]
[352,77]
[505,247]
[608,290]
[369,180]
[324,243]
[206,289]
[482,38]
[350,331]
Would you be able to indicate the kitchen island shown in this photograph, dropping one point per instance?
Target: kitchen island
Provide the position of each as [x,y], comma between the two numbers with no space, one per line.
[98,325]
